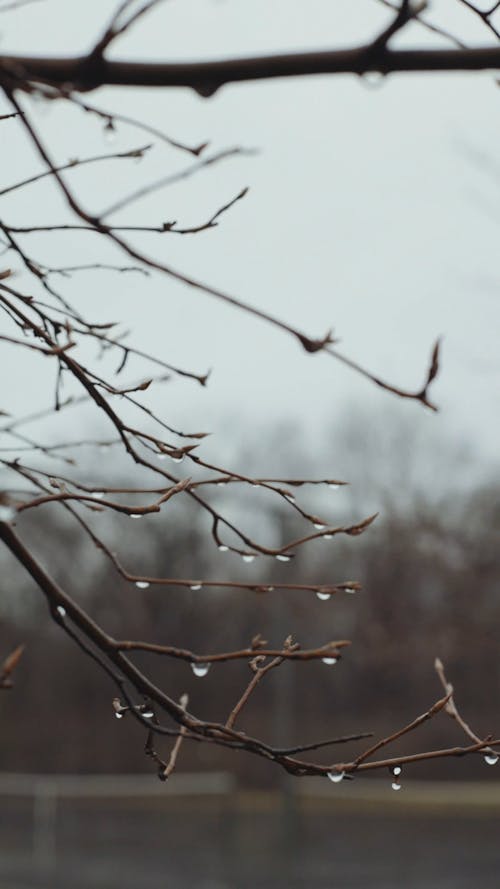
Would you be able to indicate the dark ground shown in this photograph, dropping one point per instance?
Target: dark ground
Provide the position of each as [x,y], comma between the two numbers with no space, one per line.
[422,837]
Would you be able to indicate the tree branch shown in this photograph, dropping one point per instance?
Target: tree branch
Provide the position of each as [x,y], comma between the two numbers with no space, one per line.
[86,73]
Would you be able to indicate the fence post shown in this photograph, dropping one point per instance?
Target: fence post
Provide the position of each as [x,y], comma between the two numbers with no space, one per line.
[44,824]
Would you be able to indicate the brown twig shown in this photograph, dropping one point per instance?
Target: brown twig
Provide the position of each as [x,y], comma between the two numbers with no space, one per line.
[451,708]
[75,163]
[172,760]
[9,665]
[260,668]
[414,724]
[330,650]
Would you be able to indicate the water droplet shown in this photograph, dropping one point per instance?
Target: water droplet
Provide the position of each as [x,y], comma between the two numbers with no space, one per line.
[6,513]
[373,78]
[200,669]
[60,610]
[205,90]
[147,713]
[119,708]
[323,596]
[334,486]
[221,484]
[319,527]
[268,589]
[110,132]
[162,456]
[329,661]
[135,515]
[349,589]
[178,459]
[396,770]
[396,785]
[336,777]
[282,558]
[248,558]
[195,586]
[142,584]
[223,548]
[327,536]
[491,759]
[290,498]
[98,495]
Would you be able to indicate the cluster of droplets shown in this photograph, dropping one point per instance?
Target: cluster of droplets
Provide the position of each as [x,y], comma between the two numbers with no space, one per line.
[396,772]
[337,776]
[120,709]
[250,557]
[491,758]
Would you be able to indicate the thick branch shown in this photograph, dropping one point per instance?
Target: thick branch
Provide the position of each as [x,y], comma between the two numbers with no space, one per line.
[89,73]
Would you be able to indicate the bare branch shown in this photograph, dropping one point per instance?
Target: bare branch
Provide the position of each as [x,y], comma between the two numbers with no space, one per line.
[116,28]
[9,665]
[415,723]
[260,668]
[205,78]
[451,708]
[133,154]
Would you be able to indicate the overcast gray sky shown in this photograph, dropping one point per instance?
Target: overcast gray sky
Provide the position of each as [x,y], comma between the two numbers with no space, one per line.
[373,209]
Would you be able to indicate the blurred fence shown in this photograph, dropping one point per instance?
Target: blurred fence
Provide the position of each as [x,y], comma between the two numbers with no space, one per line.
[44,799]
[200,831]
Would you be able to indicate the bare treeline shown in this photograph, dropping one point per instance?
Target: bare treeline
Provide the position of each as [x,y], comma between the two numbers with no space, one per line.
[430,575]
